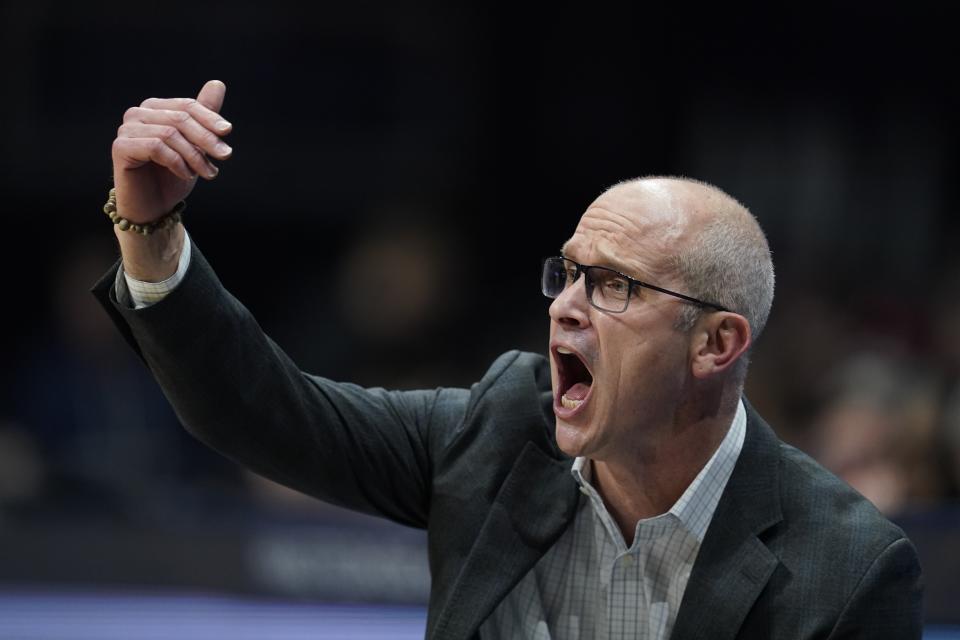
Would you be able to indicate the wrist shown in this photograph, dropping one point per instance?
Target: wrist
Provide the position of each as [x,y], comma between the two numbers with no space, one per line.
[146,228]
[154,257]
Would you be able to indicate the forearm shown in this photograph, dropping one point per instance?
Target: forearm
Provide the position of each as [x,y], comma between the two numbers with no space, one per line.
[236,390]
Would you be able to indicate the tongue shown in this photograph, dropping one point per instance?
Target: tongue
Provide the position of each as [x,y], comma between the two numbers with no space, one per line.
[578,391]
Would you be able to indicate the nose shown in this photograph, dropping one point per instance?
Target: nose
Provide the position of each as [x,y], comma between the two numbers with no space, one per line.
[570,308]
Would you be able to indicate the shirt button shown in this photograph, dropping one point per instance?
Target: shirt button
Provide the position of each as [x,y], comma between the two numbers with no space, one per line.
[584,491]
[627,560]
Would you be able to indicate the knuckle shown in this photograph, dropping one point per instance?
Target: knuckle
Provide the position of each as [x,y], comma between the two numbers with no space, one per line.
[166,132]
[131,113]
[180,116]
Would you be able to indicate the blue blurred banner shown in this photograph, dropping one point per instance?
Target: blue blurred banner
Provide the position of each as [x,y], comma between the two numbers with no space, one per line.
[142,616]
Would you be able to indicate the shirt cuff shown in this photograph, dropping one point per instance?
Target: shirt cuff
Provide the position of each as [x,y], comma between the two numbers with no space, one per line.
[143,294]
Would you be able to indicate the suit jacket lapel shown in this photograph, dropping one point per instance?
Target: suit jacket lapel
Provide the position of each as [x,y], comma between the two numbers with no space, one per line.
[733,565]
[535,504]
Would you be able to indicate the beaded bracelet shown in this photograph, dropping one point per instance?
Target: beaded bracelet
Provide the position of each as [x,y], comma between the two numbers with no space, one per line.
[168,220]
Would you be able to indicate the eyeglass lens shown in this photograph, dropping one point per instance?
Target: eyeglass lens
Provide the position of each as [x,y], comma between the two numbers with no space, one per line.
[606,289]
[555,277]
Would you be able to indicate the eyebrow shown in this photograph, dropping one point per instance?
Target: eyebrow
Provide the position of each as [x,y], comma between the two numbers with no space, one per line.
[607,264]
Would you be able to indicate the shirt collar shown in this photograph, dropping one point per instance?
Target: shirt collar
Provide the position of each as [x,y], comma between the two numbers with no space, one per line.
[694,509]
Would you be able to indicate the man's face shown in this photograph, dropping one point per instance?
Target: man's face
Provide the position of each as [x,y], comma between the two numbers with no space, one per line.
[616,376]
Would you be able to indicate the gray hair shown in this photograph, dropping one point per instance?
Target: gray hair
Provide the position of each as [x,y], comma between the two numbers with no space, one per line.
[729,263]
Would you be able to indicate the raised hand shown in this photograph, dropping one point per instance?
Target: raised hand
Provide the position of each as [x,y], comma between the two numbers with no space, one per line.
[163,146]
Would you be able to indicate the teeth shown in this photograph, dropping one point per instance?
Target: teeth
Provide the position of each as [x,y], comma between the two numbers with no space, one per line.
[568,403]
[565,352]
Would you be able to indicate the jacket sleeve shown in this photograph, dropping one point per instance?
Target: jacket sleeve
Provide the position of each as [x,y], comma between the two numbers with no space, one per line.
[887,601]
[237,391]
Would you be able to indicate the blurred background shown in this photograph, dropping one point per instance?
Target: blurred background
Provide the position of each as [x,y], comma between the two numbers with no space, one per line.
[398,174]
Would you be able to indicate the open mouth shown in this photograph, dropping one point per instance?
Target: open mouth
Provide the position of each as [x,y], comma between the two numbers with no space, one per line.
[574,381]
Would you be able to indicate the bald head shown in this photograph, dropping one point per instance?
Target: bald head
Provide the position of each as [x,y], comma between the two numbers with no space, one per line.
[678,207]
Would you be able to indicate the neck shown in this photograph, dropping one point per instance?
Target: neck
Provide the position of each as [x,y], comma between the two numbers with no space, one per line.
[648,479]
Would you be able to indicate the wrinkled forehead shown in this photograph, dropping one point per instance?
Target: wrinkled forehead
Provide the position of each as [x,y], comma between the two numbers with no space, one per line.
[633,228]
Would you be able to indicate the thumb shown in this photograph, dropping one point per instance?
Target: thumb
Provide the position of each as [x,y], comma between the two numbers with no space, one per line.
[211,96]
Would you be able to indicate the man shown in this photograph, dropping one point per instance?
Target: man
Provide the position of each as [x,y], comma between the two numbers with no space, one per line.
[623,489]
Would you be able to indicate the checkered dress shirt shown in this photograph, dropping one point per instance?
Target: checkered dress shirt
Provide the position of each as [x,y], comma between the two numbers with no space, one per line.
[590,586]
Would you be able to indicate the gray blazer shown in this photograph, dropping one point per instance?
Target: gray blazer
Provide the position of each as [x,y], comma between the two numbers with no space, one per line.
[792,552]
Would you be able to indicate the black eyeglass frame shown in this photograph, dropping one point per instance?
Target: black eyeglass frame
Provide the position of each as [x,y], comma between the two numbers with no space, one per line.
[633,283]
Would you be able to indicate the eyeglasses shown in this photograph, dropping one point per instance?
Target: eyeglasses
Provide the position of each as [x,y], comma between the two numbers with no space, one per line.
[607,290]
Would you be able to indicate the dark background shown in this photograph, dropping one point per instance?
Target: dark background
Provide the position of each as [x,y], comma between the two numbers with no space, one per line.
[398,173]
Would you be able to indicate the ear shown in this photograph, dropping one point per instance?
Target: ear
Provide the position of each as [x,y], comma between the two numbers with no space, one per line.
[718,341]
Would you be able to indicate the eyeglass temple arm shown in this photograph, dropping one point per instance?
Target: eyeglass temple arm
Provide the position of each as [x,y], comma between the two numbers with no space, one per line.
[679,295]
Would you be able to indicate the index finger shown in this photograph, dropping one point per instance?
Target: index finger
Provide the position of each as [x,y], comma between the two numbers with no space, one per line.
[205,116]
